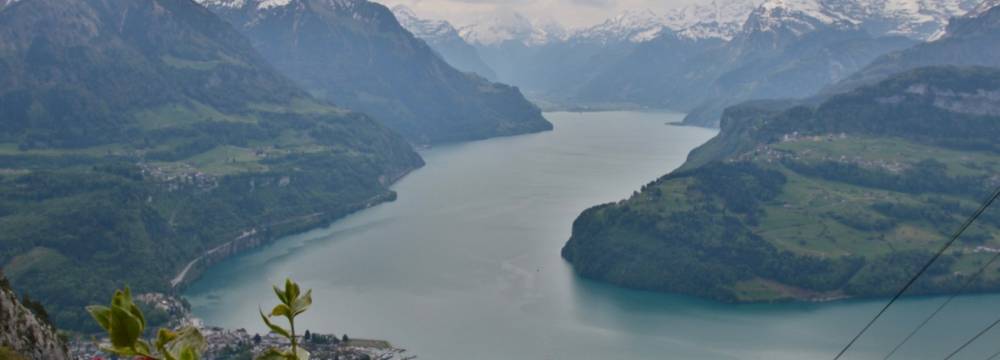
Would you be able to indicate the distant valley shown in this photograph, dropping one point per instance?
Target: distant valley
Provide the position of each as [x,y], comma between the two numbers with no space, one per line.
[703,58]
[836,144]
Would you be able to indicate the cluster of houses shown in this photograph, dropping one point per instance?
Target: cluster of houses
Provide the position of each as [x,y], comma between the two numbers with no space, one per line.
[227,344]
[179,175]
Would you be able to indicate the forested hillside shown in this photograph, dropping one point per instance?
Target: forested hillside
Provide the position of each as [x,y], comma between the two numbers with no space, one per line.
[136,135]
[844,199]
[355,54]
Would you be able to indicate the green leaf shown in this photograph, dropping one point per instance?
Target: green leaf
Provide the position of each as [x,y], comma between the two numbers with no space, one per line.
[189,354]
[302,304]
[163,337]
[142,348]
[117,298]
[281,310]
[281,294]
[275,328]
[125,328]
[101,314]
[134,310]
[291,290]
[187,340]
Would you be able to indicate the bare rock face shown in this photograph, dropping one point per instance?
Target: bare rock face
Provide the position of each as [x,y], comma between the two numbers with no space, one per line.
[22,333]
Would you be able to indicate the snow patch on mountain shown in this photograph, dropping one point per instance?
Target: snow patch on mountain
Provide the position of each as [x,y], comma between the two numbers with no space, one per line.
[272,4]
[917,19]
[235,4]
[724,19]
[983,7]
[795,16]
[720,19]
[510,26]
[633,26]
[423,28]
[268,4]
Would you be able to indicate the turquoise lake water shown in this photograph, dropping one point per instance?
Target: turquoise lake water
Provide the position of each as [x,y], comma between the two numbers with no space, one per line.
[466,265]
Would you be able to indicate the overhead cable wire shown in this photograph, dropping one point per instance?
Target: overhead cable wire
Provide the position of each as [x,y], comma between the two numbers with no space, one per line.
[944,247]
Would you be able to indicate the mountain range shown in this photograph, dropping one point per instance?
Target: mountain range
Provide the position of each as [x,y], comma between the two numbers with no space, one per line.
[356,54]
[707,56]
[968,40]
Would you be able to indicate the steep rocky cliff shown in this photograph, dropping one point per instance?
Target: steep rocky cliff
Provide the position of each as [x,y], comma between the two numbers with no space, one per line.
[23,334]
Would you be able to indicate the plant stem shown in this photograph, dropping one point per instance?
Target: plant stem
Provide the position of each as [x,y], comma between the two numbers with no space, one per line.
[295,343]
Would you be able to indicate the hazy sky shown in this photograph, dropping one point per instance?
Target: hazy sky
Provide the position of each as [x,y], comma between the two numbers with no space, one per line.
[569,13]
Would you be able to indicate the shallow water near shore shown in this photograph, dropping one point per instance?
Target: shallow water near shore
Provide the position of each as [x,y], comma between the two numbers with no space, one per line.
[465,265]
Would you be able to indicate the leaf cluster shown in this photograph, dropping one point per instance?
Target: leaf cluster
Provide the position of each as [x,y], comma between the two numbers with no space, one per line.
[293,303]
[125,324]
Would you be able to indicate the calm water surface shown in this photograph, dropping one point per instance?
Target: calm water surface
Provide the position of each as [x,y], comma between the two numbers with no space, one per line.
[465,265]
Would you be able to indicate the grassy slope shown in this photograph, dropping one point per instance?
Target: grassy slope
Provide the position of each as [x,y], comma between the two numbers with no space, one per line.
[823,234]
[73,219]
[131,148]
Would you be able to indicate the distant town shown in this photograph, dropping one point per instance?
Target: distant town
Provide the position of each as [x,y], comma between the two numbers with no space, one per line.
[240,344]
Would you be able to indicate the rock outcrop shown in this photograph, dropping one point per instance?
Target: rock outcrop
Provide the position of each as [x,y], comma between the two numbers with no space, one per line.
[22,333]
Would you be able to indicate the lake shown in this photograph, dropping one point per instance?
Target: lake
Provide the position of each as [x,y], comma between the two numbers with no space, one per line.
[466,265]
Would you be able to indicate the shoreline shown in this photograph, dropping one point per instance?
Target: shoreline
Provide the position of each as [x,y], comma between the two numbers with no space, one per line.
[248,239]
[256,237]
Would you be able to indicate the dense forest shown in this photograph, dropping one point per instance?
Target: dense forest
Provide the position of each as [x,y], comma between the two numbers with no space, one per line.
[843,199]
[165,136]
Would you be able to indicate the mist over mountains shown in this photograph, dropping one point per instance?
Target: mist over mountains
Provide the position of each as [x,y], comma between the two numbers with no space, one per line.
[355,54]
[445,39]
[705,57]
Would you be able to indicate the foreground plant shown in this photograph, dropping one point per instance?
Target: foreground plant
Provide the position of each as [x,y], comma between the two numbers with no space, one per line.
[125,324]
[293,303]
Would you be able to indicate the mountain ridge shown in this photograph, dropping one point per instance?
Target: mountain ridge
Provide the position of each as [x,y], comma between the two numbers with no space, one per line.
[746,50]
[355,53]
[967,41]
[445,39]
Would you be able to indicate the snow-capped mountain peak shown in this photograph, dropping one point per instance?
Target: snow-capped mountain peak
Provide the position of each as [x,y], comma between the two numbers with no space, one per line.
[724,19]
[983,7]
[633,26]
[235,4]
[240,4]
[917,19]
[272,4]
[422,28]
[511,27]
[720,19]
[795,16]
